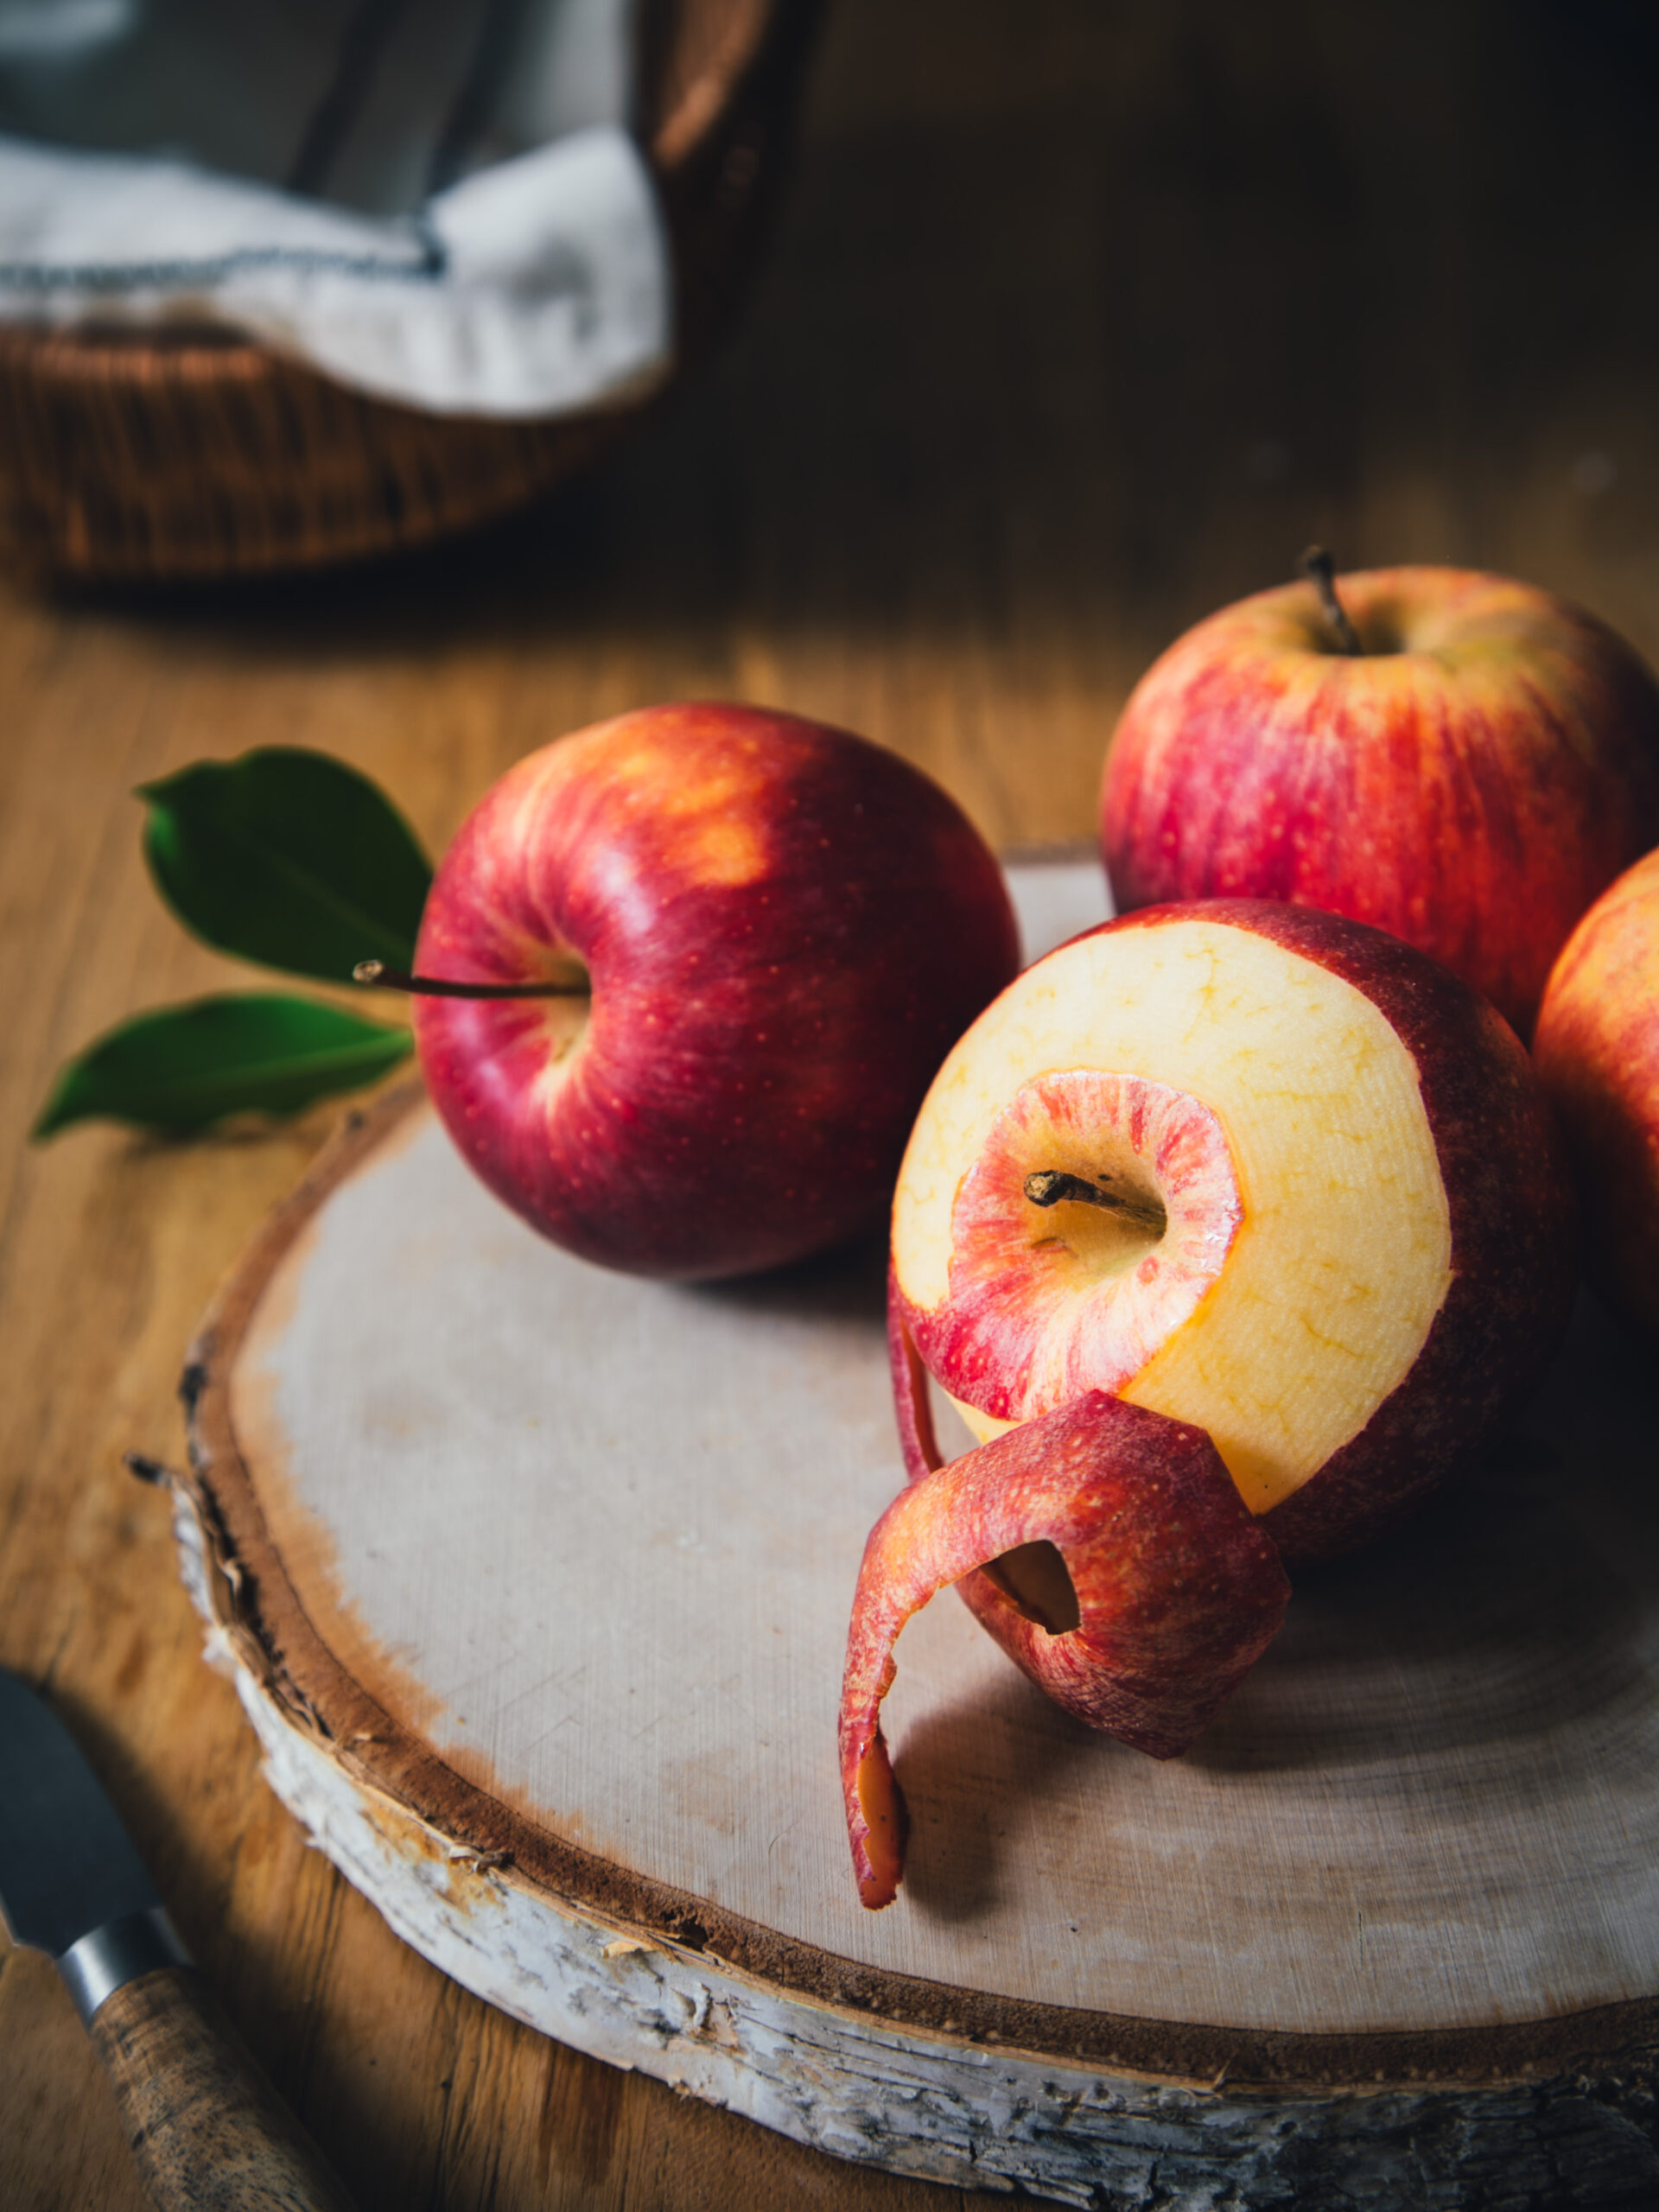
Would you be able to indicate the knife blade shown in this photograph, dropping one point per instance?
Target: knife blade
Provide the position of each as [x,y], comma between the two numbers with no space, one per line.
[205,2124]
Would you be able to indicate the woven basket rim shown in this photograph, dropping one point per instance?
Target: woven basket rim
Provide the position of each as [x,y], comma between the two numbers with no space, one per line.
[198,350]
[185,453]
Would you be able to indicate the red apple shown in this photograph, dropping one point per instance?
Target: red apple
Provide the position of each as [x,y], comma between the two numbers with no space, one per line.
[1596,1053]
[1267,1174]
[1469,779]
[772,932]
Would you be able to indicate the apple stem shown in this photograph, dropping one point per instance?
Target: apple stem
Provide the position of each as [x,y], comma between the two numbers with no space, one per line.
[1321,570]
[1050,1185]
[436,987]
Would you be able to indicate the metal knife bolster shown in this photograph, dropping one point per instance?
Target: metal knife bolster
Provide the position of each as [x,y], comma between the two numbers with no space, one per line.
[108,1957]
[204,2124]
[71,1884]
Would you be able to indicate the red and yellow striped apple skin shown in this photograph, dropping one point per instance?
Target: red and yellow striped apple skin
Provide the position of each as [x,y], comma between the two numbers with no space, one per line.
[1471,792]
[1177,1590]
[1513,1238]
[785,928]
[1597,1051]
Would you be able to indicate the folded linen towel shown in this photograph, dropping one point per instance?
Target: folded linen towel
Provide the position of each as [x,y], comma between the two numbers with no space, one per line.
[535,283]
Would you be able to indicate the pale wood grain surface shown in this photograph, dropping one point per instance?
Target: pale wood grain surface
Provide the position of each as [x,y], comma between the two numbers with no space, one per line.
[621,1611]
[1080,321]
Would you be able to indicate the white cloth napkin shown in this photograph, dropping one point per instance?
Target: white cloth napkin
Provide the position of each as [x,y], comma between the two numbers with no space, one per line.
[533,280]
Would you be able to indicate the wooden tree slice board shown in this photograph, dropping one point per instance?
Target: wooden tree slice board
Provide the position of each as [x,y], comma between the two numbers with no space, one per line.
[534,1581]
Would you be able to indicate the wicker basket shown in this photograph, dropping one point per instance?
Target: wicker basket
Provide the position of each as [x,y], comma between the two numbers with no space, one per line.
[129,457]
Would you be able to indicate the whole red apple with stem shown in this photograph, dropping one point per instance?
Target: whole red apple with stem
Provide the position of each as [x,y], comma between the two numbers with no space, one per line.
[1461,759]
[1268,1175]
[685,976]
[1596,1051]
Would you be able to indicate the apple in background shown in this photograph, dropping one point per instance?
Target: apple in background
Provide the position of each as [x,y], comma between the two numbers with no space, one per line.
[1268,1174]
[1470,779]
[767,933]
[1597,1053]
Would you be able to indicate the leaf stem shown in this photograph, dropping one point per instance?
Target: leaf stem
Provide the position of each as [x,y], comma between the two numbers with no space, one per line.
[376,973]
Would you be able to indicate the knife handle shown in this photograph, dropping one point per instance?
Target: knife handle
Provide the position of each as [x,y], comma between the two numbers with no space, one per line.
[208,2131]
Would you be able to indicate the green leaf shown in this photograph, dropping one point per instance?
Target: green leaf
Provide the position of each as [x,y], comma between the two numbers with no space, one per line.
[288,858]
[185,1066]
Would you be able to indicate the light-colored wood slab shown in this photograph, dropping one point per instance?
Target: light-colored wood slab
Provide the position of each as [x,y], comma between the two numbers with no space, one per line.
[534,1581]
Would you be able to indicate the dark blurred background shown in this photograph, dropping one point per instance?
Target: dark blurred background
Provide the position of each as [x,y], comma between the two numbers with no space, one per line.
[1079,320]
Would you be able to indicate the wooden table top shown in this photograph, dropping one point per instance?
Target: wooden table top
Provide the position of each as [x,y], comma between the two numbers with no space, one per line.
[1079,323]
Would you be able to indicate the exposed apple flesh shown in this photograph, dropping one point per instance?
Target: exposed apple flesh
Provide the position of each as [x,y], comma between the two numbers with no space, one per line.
[1096,1215]
[1367,1247]
[1249,1037]
[1174,1590]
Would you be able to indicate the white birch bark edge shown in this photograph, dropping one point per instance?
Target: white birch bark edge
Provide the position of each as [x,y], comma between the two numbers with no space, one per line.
[966,2113]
